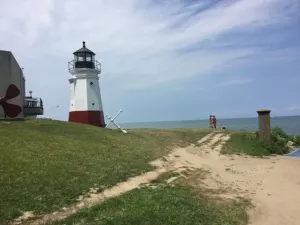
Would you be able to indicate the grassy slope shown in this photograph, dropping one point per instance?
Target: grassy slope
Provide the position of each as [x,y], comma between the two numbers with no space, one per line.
[47,164]
[244,143]
[248,143]
[161,206]
[164,205]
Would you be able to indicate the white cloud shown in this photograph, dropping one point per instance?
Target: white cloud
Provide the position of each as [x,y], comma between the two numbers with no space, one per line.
[22,22]
[140,43]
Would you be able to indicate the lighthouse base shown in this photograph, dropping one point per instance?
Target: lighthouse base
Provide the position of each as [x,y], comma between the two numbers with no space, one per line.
[95,118]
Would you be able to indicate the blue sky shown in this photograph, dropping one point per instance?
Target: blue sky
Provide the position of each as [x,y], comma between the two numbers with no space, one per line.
[162,60]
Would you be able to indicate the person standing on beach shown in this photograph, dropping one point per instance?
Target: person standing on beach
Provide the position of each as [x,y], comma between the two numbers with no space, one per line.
[214,121]
[210,121]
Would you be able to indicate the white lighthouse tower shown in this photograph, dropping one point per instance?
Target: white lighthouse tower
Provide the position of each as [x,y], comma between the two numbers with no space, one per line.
[85,97]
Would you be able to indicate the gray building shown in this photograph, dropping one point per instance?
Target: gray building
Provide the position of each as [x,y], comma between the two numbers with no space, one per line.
[14,104]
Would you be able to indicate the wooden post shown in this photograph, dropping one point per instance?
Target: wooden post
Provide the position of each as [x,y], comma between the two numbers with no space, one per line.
[264,125]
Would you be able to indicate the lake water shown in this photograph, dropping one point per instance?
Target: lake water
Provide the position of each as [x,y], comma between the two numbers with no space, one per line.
[290,124]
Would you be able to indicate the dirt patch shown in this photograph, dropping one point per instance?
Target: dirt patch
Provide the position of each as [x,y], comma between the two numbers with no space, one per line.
[270,182]
[25,216]
[94,198]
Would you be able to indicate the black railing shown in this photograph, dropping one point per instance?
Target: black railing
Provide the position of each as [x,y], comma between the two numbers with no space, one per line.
[74,64]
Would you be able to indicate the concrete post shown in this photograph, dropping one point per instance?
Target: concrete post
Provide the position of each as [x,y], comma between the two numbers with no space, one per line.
[264,125]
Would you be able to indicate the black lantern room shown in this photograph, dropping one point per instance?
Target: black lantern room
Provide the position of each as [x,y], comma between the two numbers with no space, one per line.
[84,58]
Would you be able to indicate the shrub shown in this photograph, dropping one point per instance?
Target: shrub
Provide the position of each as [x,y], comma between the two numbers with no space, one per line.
[257,135]
[250,144]
[278,141]
[279,132]
[295,139]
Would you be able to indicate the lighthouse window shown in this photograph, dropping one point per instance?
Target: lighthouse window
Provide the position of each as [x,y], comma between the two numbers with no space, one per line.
[91,83]
[93,103]
[88,58]
[80,58]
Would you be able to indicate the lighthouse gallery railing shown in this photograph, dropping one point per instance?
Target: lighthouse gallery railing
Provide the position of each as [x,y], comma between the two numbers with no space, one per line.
[94,64]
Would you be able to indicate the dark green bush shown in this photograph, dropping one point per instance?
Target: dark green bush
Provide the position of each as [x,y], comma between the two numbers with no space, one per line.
[279,132]
[278,142]
[250,144]
[257,135]
[276,131]
[295,140]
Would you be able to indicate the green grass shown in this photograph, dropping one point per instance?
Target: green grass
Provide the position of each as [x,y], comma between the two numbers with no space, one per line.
[248,143]
[164,205]
[244,143]
[164,177]
[46,165]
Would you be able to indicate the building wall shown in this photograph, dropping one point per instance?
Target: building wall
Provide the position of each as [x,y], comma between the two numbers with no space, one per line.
[11,73]
[72,92]
[85,91]
[85,98]
[94,92]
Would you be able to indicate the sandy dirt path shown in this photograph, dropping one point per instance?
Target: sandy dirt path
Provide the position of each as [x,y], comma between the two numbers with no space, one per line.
[273,184]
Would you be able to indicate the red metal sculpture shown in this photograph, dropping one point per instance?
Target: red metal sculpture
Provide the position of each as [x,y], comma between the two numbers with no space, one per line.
[10,110]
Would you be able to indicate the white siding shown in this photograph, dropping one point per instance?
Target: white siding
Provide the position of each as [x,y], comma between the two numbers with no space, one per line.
[72,89]
[86,91]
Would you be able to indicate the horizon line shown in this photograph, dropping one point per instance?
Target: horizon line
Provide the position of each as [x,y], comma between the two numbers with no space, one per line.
[186,120]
